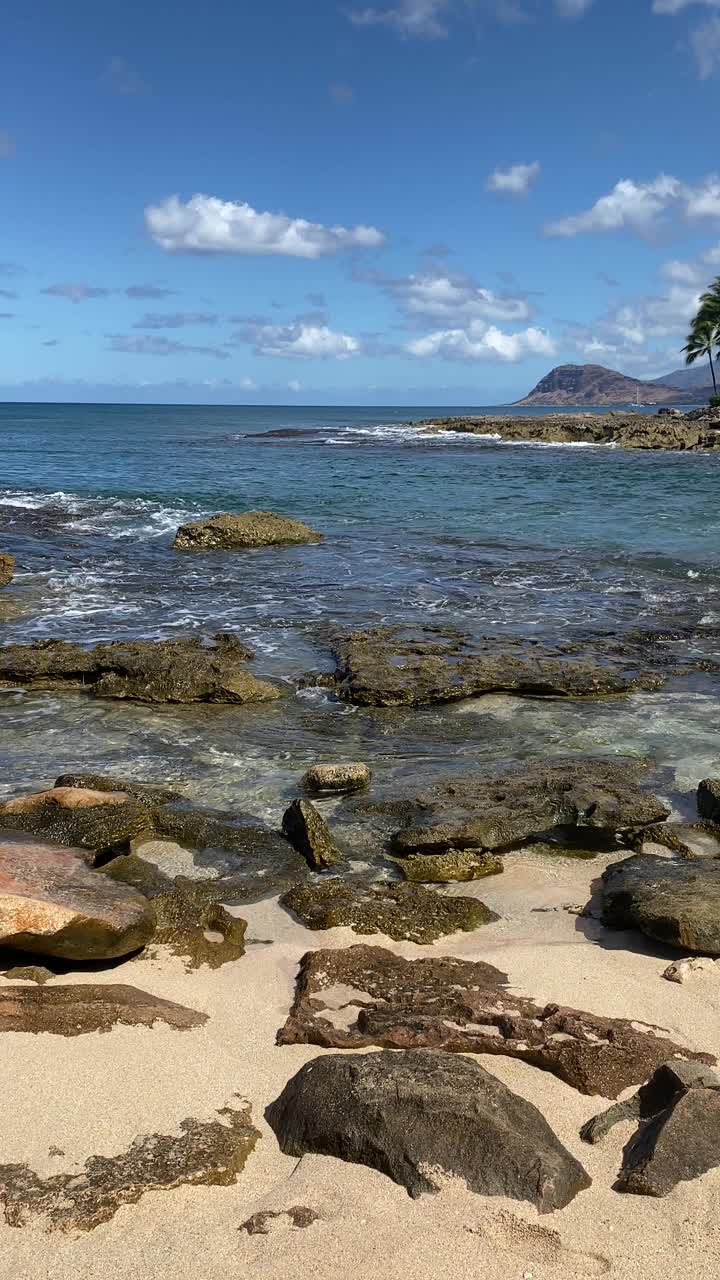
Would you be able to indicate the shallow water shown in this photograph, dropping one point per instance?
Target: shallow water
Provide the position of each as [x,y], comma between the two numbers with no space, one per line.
[490,536]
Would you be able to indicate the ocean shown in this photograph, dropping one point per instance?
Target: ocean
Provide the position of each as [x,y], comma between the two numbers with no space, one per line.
[546,540]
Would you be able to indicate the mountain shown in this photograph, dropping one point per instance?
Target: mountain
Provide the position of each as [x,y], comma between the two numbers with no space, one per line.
[697,377]
[592,384]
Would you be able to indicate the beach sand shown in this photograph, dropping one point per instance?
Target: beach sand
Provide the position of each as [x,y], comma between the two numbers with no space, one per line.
[93,1094]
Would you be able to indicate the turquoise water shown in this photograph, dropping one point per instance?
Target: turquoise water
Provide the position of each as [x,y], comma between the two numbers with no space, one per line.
[491,536]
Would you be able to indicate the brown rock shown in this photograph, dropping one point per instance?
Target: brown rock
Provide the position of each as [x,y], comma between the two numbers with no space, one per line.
[7,568]
[51,903]
[364,996]
[202,932]
[65,798]
[149,792]
[454,865]
[405,912]
[337,777]
[239,531]
[78,1010]
[309,833]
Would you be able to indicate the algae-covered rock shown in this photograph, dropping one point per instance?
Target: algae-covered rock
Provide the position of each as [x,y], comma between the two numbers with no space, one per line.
[337,777]
[86,1007]
[444,868]
[202,932]
[130,868]
[421,1117]
[228,532]
[7,568]
[205,1153]
[405,912]
[676,902]
[107,821]
[309,833]
[152,671]
[149,793]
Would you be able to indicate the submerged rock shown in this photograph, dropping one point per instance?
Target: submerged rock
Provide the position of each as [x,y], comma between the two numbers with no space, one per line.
[424,1117]
[409,666]
[404,912]
[444,868]
[7,568]
[210,1153]
[52,903]
[589,799]
[674,902]
[229,532]
[78,1010]
[309,833]
[363,996]
[202,932]
[337,777]
[153,671]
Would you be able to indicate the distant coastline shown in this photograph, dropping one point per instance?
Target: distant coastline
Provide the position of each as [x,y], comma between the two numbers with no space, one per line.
[593,385]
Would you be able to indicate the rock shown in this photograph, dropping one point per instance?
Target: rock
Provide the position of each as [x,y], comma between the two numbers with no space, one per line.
[422,1117]
[52,903]
[308,832]
[209,1153]
[262,1223]
[409,666]
[570,799]
[64,798]
[148,792]
[29,973]
[78,1010]
[665,412]
[455,865]
[664,1087]
[202,932]
[249,529]
[681,970]
[404,912]
[153,671]
[708,799]
[138,872]
[678,1145]
[7,568]
[674,902]
[102,825]
[628,430]
[362,996]
[337,777]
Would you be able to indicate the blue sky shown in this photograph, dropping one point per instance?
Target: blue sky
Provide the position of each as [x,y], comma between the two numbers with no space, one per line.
[411,201]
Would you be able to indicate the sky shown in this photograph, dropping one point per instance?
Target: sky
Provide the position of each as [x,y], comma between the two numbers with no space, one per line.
[328,201]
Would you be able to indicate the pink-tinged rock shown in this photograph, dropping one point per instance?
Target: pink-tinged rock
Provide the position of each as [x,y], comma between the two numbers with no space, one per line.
[52,903]
[64,798]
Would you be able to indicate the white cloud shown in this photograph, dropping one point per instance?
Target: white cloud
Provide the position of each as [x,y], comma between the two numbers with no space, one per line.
[173,320]
[206,224]
[705,45]
[482,342]
[444,295]
[147,345]
[516,180]
[294,385]
[674,6]
[77,292]
[641,207]
[7,145]
[307,341]
[409,18]
[572,8]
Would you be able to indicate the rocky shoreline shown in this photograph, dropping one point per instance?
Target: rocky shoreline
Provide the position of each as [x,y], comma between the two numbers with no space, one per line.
[668,429]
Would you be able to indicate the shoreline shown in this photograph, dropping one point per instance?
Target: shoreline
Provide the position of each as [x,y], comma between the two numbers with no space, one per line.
[626,430]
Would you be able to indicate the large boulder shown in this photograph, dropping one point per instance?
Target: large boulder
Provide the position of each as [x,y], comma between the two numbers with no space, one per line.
[309,833]
[422,1118]
[7,568]
[408,666]
[708,799]
[229,532]
[362,996]
[52,903]
[404,912]
[675,902]
[154,671]
[95,820]
[80,1009]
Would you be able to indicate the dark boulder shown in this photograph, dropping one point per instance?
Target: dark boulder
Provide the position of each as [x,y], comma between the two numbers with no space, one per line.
[404,912]
[675,902]
[309,833]
[708,799]
[421,1118]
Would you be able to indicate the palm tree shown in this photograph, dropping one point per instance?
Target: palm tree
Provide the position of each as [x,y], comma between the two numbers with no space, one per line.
[705,334]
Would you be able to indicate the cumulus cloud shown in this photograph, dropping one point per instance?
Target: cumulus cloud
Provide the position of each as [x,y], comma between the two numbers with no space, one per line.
[516,181]
[479,341]
[77,292]
[7,145]
[640,207]
[206,224]
[149,291]
[146,345]
[421,18]
[443,295]
[300,339]
[173,320]
[120,78]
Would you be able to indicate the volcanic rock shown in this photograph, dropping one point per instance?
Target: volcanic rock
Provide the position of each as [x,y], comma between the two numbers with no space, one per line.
[309,833]
[202,932]
[674,902]
[363,996]
[102,821]
[77,1010]
[229,532]
[404,912]
[52,903]
[708,799]
[421,1117]
[444,868]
